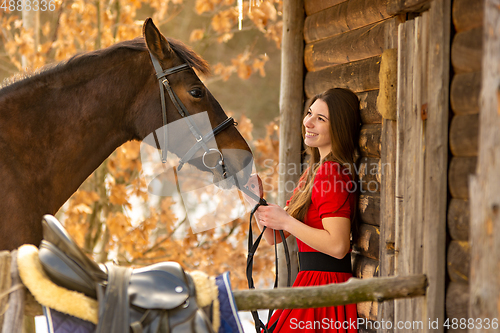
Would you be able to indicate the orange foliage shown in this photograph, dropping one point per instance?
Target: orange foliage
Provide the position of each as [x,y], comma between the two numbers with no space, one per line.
[112,215]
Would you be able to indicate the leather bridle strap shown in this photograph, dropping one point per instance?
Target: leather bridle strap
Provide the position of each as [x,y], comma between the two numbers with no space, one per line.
[201,141]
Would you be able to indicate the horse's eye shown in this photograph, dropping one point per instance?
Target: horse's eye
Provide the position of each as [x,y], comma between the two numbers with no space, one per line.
[196,93]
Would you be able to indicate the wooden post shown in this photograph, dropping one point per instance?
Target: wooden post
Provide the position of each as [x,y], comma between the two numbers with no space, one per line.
[5,283]
[14,317]
[484,195]
[291,109]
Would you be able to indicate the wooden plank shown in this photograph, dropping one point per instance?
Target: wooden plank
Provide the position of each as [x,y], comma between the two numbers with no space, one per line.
[458,261]
[467,51]
[358,76]
[387,195]
[402,102]
[369,208]
[350,46]
[484,194]
[467,14]
[458,178]
[404,187]
[458,219]
[314,6]
[396,7]
[346,16]
[436,162]
[464,94]
[5,282]
[369,140]
[291,107]
[464,134]
[368,107]
[14,316]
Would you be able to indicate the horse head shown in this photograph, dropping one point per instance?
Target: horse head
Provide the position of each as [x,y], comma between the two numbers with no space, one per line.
[214,145]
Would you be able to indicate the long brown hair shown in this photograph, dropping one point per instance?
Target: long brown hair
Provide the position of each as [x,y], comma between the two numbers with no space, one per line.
[343,108]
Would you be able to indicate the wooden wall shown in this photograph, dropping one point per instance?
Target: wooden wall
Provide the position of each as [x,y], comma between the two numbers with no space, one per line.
[466,57]
[344,41]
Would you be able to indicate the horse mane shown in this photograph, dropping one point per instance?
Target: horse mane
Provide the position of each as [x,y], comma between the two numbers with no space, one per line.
[137,44]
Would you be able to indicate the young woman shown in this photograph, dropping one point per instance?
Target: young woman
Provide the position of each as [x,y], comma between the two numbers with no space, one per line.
[320,213]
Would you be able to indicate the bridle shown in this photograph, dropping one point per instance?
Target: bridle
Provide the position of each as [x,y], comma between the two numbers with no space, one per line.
[201,141]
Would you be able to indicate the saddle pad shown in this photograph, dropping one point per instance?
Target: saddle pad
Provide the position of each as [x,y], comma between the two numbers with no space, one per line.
[58,322]
[229,319]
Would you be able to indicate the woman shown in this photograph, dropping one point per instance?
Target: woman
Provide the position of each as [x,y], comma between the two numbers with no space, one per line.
[321,211]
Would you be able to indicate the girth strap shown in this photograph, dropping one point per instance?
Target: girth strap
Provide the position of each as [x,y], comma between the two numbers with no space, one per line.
[114,308]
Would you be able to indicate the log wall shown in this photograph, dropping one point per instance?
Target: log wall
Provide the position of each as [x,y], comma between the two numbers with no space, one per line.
[344,42]
[466,56]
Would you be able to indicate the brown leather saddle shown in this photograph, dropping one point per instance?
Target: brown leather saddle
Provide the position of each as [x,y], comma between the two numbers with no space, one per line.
[155,299]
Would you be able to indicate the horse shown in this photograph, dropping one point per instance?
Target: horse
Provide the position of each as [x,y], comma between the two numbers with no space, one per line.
[57,126]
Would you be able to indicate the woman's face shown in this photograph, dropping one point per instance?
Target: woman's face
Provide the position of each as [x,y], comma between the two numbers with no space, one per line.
[317,126]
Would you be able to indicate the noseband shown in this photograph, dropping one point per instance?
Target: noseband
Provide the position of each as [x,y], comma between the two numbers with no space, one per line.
[201,141]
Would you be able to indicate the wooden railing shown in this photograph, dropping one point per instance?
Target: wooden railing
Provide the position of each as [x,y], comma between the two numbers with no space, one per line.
[16,302]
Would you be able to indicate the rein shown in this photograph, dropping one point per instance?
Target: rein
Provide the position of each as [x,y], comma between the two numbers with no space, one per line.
[252,248]
[201,141]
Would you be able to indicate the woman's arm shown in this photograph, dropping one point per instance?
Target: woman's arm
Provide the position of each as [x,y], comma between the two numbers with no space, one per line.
[334,240]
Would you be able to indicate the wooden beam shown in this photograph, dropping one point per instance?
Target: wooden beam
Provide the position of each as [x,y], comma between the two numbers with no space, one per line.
[350,46]
[461,168]
[369,140]
[352,291]
[484,194]
[458,219]
[464,94]
[346,16]
[314,6]
[467,50]
[467,14]
[464,134]
[368,241]
[457,301]
[291,110]
[458,261]
[358,76]
[396,7]
[369,208]
[368,107]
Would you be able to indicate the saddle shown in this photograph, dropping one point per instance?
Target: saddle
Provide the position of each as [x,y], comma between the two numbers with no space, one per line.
[154,299]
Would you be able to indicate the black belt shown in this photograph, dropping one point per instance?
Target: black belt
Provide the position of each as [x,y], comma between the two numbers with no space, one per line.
[317,261]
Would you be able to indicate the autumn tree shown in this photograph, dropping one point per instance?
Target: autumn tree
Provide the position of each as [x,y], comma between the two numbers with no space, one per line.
[113,216]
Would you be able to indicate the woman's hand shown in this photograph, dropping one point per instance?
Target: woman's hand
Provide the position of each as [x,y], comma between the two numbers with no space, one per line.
[273,217]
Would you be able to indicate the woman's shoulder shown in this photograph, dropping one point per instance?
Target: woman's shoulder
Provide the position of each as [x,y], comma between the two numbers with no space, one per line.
[331,169]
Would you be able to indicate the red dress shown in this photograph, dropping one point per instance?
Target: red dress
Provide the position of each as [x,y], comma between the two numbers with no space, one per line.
[331,197]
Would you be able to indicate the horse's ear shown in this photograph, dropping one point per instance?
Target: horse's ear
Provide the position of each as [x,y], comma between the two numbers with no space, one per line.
[155,41]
